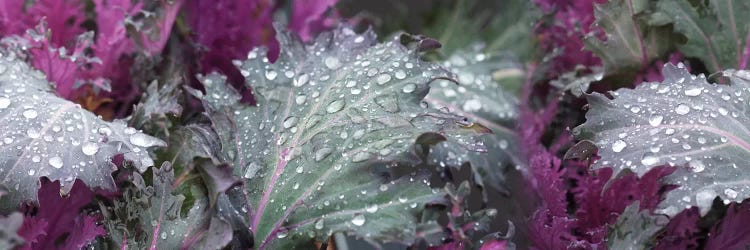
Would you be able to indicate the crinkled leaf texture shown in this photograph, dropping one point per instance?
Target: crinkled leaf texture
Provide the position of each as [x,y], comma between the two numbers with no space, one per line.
[45,135]
[634,229]
[333,116]
[480,97]
[683,121]
[716,31]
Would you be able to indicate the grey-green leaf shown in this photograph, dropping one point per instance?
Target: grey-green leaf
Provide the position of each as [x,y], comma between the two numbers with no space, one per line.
[635,229]
[332,117]
[480,97]
[716,30]
[9,225]
[42,134]
[683,121]
[631,42]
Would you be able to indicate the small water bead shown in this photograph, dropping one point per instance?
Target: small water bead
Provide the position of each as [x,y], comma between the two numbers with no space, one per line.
[332,62]
[408,88]
[319,224]
[649,160]
[682,109]
[30,113]
[89,148]
[383,78]
[56,162]
[335,106]
[358,219]
[282,234]
[299,169]
[32,172]
[290,122]
[4,102]
[163,235]
[400,74]
[731,193]
[36,158]
[360,157]
[655,120]
[693,91]
[371,208]
[32,133]
[618,146]
[322,153]
[143,140]
[300,99]
[302,79]
[271,75]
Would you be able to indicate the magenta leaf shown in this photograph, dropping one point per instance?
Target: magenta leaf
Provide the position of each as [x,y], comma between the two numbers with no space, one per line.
[309,17]
[732,232]
[59,222]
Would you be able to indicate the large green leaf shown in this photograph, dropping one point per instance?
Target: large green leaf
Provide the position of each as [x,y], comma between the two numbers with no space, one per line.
[631,41]
[333,117]
[716,30]
[682,121]
[479,96]
[45,135]
[635,229]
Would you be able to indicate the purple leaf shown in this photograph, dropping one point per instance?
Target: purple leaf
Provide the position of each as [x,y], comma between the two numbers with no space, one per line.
[308,17]
[681,232]
[58,221]
[733,231]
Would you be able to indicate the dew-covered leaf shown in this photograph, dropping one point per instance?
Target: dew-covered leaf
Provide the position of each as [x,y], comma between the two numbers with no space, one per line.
[631,42]
[42,134]
[333,117]
[479,96]
[683,121]
[152,216]
[635,229]
[716,30]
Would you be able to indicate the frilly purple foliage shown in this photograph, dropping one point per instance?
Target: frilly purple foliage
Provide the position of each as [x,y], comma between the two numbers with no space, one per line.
[563,35]
[57,222]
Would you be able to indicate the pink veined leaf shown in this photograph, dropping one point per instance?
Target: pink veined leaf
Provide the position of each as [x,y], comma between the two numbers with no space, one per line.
[58,222]
[309,17]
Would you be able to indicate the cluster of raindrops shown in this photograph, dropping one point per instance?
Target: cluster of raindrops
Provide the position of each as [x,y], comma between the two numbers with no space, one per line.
[325,114]
[683,121]
[44,135]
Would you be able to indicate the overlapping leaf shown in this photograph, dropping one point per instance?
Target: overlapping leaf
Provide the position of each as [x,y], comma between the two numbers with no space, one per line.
[333,116]
[716,30]
[152,217]
[479,96]
[45,135]
[634,229]
[631,41]
[683,121]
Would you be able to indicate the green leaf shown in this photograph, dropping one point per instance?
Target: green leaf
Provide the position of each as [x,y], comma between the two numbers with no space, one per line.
[480,97]
[682,121]
[333,118]
[635,229]
[631,42]
[42,134]
[152,216]
[716,30]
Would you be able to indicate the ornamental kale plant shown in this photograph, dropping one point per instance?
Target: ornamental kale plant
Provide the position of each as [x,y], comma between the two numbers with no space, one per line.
[323,124]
